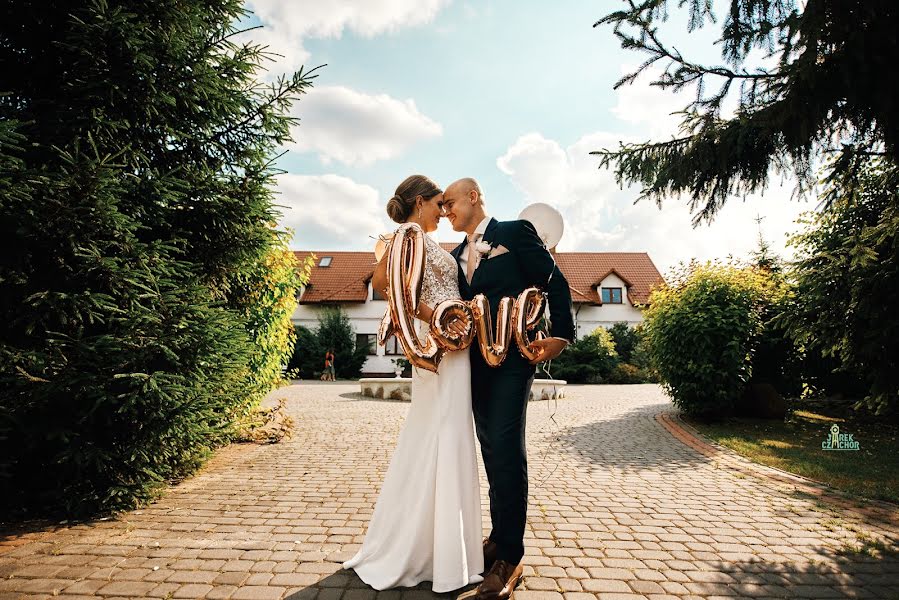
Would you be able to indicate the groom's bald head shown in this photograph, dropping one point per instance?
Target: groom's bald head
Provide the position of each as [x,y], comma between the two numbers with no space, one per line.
[463,203]
[466,186]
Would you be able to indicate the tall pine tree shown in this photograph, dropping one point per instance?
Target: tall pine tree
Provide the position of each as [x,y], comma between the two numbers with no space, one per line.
[136,144]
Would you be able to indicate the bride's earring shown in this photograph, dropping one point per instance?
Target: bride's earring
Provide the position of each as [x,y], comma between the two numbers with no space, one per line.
[419,213]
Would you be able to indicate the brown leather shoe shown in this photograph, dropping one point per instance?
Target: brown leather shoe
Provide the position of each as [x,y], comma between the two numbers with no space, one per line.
[489,554]
[500,581]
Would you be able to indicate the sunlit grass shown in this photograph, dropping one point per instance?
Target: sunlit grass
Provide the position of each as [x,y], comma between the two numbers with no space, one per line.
[794,445]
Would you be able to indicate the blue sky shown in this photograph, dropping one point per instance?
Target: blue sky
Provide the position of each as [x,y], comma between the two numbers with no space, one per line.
[512,93]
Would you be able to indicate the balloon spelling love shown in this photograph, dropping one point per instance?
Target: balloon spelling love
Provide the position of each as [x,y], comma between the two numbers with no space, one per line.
[405,273]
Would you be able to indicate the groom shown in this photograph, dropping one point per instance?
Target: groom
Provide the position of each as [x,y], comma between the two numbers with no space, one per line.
[501,259]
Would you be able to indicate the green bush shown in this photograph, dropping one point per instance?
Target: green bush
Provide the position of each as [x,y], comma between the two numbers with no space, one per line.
[625,339]
[308,359]
[590,359]
[404,365]
[135,185]
[626,373]
[630,344]
[266,296]
[334,332]
[641,359]
[703,330]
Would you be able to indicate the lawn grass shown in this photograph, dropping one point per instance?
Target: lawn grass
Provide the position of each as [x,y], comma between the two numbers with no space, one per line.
[794,445]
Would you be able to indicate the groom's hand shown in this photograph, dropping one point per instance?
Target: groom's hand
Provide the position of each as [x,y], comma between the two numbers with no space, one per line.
[550,348]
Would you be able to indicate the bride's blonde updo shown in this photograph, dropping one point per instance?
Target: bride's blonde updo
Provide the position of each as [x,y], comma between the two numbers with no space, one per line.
[400,207]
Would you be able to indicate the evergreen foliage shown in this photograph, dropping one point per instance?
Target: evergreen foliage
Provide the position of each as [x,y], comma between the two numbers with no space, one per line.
[334,332]
[827,91]
[847,280]
[625,339]
[266,296]
[590,359]
[136,145]
[308,358]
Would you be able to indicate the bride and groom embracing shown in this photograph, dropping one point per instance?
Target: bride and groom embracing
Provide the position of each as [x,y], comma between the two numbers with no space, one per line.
[426,524]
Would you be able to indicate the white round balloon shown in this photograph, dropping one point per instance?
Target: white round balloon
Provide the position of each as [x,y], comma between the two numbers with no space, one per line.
[546,220]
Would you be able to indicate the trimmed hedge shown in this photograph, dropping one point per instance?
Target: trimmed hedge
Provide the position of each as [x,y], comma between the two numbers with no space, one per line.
[703,331]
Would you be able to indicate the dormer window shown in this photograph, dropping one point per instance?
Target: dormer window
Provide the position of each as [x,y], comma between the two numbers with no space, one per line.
[325,261]
[611,295]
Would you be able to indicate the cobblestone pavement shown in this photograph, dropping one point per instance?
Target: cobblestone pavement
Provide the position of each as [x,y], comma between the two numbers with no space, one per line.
[620,508]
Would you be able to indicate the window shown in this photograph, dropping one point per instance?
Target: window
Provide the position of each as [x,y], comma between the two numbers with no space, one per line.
[393,347]
[325,261]
[611,296]
[376,295]
[369,340]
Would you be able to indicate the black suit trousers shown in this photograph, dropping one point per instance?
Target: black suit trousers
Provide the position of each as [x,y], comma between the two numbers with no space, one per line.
[499,402]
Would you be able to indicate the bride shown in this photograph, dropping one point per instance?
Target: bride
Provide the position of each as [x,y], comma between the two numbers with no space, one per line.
[426,525]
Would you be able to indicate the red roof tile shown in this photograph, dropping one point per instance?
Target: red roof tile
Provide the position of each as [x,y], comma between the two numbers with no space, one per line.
[585,270]
[344,280]
[347,277]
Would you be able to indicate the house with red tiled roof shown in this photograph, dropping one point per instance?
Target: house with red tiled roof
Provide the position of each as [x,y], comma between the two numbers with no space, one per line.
[606,288]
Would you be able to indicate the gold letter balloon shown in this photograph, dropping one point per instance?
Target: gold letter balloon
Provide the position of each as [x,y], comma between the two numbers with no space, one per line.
[405,269]
[405,273]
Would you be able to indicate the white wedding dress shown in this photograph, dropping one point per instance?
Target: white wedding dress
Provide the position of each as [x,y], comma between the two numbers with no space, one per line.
[426,525]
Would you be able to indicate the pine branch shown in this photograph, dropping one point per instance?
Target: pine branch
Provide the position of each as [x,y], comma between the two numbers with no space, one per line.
[281,93]
[829,87]
[679,72]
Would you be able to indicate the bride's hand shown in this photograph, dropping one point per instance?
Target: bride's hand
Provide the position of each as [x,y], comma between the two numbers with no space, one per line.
[456,326]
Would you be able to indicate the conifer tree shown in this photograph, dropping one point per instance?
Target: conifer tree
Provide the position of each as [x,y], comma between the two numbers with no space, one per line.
[136,149]
[829,93]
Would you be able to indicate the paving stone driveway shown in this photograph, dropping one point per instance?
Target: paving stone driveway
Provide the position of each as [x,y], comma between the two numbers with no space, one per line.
[619,509]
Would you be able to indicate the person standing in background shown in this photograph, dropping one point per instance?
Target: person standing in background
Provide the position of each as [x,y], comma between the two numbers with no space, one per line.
[330,374]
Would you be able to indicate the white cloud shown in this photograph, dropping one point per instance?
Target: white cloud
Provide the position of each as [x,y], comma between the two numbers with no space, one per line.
[330,212]
[599,216]
[652,110]
[358,129]
[288,23]
[643,105]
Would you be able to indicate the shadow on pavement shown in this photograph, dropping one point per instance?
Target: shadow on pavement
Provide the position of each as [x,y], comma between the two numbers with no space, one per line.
[859,576]
[346,585]
[632,440]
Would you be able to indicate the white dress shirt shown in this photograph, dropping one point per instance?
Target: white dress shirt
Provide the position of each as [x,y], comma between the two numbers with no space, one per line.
[468,252]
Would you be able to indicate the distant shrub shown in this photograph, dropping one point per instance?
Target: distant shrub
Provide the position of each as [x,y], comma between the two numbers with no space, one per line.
[626,339]
[626,373]
[590,359]
[335,332]
[703,330]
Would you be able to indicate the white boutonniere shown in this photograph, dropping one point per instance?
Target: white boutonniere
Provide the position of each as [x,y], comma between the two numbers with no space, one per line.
[483,248]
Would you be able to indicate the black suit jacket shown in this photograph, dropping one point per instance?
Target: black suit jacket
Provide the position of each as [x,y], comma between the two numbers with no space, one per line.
[527,263]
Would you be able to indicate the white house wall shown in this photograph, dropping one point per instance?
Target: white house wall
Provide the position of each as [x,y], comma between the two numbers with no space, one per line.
[589,317]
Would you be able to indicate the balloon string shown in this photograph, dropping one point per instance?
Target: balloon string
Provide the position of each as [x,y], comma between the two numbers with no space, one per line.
[554,425]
